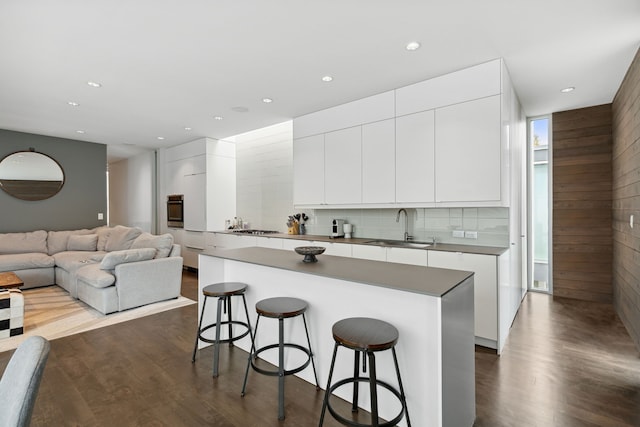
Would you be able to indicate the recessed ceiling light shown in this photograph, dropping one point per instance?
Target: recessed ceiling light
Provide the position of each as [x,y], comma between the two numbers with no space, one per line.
[187,128]
[79,131]
[218,117]
[161,138]
[568,89]
[94,84]
[412,46]
[267,100]
[73,104]
[327,78]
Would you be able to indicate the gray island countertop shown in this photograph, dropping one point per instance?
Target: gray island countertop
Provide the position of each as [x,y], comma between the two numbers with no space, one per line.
[410,278]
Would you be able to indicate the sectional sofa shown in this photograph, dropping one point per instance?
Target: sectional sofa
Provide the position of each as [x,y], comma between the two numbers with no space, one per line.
[109,268]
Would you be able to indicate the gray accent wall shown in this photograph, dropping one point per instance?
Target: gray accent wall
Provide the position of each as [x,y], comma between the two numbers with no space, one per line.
[78,203]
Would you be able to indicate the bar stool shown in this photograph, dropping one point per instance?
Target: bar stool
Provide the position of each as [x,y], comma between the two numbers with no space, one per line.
[280,308]
[223,291]
[366,336]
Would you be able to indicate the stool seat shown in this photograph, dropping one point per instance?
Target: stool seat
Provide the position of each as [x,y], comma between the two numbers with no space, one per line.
[224,289]
[281,307]
[365,334]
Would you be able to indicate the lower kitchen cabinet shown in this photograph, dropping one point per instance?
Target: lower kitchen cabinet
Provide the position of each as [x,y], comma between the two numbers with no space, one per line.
[338,249]
[375,253]
[269,242]
[485,282]
[407,256]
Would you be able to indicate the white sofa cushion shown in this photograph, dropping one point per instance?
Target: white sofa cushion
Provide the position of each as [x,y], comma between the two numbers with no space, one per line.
[87,242]
[162,243]
[57,241]
[121,238]
[114,258]
[93,275]
[72,260]
[14,262]
[22,243]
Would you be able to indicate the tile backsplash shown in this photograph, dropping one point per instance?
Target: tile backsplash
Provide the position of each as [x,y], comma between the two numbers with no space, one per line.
[491,224]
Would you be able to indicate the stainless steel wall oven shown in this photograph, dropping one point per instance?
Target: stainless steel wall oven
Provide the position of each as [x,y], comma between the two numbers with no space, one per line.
[175,211]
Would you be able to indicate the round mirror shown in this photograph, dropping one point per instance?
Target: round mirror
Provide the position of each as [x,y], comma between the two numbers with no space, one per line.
[29,175]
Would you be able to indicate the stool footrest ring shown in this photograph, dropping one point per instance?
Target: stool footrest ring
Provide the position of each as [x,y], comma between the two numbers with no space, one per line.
[352,423]
[225,340]
[286,371]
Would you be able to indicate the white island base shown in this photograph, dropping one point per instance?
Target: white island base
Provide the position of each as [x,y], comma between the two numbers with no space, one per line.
[435,321]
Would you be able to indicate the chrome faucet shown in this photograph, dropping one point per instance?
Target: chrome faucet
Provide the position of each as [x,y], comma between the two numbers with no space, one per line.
[406,224]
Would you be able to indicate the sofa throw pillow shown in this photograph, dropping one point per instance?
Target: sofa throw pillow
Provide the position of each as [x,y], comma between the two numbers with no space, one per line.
[103,235]
[57,241]
[114,258]
[162,243]
[121,238]
[23,243]
[87,242]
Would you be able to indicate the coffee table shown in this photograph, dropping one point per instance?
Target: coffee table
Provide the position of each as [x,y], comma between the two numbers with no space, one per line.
[10,280]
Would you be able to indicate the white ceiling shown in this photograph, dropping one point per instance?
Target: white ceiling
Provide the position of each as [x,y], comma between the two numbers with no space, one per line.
[167,64]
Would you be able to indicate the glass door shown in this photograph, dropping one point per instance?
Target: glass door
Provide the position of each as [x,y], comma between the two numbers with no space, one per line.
[539,131]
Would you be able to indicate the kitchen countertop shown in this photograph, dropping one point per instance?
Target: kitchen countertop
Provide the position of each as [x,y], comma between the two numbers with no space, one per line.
[423,280]
[444,247]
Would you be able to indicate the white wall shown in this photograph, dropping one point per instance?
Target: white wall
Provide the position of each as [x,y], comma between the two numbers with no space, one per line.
[131,192]
[264,176]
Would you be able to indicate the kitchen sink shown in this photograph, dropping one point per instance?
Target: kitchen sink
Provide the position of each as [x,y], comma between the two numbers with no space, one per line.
[399,244]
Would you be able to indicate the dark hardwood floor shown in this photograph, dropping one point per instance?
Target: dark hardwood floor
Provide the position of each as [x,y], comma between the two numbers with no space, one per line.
[566,363]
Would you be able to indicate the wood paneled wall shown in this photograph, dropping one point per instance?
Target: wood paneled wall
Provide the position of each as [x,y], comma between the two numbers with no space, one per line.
[582,234]
[626,200]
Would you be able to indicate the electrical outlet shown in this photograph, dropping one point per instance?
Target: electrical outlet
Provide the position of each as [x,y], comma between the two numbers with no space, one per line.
[100,216]
[470,234]
[458,233]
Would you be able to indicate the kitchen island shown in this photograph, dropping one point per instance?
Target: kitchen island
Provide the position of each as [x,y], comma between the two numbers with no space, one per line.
[432,308]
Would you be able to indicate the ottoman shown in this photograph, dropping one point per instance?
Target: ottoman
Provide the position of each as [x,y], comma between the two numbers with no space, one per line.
[11,312]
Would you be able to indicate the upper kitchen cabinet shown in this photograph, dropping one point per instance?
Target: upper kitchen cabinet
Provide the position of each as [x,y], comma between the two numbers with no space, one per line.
[470,83]
[414,157]
[343,166]
[378,162]
[441,142]
[366,110]
[468,152]
[308,170]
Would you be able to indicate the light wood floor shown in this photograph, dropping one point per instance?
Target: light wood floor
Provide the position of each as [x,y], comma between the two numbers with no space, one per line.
[566,363]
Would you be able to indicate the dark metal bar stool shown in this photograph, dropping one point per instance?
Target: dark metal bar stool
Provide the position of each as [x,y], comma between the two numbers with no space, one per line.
[280,308]
[223,291]
[366,336]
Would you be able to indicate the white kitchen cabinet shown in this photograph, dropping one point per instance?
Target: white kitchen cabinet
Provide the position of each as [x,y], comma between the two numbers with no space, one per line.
[378,162]
[269,242]
[485,282]
[407,256]
[468,151]
[234,241]
[204,171]
[195,195]
[338,249]
[193,243]
[308,170]
[290,244]
[343,166]
[414,157]
[463,85]
[366,110]
[376,253]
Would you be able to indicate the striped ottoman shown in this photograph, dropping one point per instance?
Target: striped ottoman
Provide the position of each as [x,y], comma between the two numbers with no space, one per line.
[11,312]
